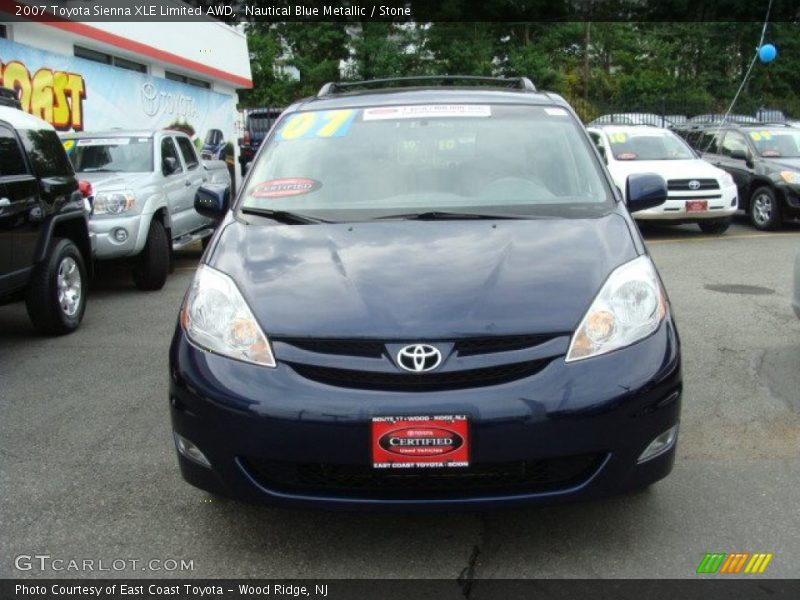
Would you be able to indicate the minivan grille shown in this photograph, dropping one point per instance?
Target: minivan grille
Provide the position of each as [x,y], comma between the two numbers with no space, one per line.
[519,477]
[422,382]
[376,348]
[682,185]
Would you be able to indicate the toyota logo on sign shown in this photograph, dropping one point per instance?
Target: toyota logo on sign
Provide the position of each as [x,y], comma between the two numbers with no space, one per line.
[419,358]
[694,184]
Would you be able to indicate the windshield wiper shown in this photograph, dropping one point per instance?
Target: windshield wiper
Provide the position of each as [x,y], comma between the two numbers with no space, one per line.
[440,215]
[282,216]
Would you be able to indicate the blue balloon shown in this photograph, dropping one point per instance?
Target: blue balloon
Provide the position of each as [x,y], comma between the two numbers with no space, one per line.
[767,53]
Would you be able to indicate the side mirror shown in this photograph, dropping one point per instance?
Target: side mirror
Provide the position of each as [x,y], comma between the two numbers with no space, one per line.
[169,165]
[645,190]
[213,200]
[739,154]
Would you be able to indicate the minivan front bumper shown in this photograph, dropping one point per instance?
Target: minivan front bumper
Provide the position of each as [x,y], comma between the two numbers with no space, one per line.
[570,431]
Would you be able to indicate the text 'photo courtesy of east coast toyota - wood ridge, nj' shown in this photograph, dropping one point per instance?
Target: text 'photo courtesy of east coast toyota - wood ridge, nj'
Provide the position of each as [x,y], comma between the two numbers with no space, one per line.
[399,299]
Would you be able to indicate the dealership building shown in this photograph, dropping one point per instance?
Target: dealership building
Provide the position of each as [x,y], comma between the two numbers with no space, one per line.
[91,76]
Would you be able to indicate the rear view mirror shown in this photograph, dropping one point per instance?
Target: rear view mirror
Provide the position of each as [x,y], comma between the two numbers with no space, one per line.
[212,200]
[645,190]
[169,165]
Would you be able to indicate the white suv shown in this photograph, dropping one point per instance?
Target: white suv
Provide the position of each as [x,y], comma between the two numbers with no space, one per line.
[698,191]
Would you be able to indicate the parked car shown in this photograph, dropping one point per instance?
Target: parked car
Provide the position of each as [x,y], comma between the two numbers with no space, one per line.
[428,296]
[698,192]
[45,247]
[632,119]
[764,161]
[144,184]
[257,122]
[722,118]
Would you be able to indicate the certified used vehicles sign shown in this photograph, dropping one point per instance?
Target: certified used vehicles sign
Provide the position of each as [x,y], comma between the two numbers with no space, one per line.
[420,441]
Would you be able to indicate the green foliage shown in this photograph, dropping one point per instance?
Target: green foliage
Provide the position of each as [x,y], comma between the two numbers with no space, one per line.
[685,68]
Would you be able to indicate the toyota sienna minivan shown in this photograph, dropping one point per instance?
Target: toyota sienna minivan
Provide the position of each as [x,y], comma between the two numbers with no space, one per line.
[426,296]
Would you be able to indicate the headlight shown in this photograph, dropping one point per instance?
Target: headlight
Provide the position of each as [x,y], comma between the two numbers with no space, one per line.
[726,179]
[790,176]
[629,307]
[216,317]
[113,203]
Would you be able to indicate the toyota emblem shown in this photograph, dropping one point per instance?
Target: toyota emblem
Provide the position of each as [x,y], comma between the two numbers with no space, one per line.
[694,184]
[419,358]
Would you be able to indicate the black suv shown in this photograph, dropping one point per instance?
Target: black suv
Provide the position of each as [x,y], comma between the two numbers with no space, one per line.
[45,248]
[764,160]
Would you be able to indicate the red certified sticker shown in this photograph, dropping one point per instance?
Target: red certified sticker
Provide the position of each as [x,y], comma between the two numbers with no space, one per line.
[693,206]
[288,186]
[421,441]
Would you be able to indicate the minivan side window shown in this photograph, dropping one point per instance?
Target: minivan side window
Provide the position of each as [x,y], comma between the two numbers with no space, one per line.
[733,141]
[12,162]
[187,150]
[168,151]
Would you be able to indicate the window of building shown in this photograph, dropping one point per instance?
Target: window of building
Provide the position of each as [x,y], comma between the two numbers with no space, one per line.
[124,63]
[108,59]
[189,80]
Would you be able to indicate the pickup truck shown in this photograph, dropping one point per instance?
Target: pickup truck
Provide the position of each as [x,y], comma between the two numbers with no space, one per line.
[143,189]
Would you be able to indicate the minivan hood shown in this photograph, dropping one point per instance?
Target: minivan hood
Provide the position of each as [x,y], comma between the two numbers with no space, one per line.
[103,181]
[409,280]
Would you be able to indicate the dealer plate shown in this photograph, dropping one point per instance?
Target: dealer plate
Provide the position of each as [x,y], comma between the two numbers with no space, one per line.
[408,442]
[693,206]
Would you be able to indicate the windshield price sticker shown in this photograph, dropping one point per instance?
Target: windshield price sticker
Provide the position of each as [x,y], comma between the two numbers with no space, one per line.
[760,135]
[383,113]
[617,138]
[317,124]
[104,142]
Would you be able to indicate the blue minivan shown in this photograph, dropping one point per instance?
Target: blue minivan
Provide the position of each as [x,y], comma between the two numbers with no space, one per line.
[427,295]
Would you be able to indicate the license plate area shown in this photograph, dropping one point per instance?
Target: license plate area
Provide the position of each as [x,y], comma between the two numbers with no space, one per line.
[420,442]
[694,206]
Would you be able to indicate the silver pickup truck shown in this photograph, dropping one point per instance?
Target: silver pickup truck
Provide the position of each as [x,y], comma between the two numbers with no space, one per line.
[143,189]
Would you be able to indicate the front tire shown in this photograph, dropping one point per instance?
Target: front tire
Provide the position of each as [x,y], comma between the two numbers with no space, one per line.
[152,265]
[764,212]
[715,227]
[56,294]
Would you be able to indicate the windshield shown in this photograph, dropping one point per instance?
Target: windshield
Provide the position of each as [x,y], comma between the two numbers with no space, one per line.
[647,144]
[776,143]
[376,162]
[117,154]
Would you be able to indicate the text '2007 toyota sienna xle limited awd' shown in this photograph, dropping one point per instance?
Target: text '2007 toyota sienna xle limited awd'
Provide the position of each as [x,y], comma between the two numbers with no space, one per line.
[426,297]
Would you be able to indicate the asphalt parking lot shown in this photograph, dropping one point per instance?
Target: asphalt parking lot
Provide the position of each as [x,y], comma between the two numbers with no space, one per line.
[87,466]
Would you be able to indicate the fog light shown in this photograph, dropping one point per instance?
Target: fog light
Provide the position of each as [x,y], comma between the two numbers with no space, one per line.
[659,445]
[190,451]
[120,235]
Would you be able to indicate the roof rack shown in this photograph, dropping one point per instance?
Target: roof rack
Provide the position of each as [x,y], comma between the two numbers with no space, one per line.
[522,84]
